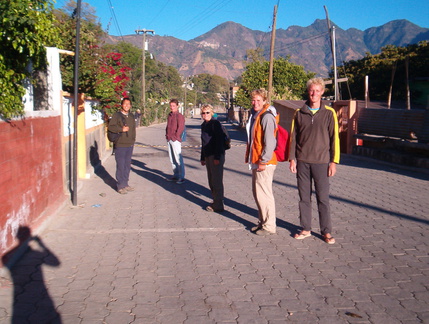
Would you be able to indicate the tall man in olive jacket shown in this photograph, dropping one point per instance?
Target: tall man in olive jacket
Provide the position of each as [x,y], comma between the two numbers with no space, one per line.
[123,122]
[315,146]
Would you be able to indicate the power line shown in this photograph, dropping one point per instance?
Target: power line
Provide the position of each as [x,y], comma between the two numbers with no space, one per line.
[213,8]
[302,41]
[159,12]
[112,12]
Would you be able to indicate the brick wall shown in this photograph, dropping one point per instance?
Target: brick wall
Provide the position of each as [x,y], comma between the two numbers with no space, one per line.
[31,179]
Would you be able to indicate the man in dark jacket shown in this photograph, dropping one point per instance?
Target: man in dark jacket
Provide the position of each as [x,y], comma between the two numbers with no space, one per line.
[123,122]
[315,146]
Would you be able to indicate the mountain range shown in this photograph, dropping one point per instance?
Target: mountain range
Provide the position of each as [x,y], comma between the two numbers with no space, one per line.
[222,50]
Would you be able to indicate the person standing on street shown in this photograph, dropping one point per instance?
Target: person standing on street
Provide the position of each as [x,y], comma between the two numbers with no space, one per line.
[173,134]
[315,146]
[261,143]
[213,156]
[138,117]
[123,122]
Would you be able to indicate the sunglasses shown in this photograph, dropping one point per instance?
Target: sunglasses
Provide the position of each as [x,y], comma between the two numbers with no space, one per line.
[206,112]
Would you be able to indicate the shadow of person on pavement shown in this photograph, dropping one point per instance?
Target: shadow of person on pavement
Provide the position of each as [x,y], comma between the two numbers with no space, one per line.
[198,194]
[31,300]
[99,169]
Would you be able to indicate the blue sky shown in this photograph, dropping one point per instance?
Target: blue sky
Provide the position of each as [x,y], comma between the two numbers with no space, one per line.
[187,19]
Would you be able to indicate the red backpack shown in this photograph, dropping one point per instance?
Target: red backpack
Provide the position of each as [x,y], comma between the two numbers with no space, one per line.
[282,148]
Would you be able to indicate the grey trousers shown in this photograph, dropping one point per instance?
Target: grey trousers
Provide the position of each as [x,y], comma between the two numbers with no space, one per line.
[307,173]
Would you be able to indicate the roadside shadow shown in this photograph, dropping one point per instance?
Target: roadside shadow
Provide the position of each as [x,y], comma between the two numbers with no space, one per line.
[31,300]
[373,164]
[198,195]
[99,169]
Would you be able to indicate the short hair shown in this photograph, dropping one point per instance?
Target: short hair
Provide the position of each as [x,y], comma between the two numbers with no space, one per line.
[207,107]
[174,101]
[125,99]
[260,92]
[316,81]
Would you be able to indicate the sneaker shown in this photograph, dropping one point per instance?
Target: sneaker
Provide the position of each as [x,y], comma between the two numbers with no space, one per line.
[123,191]
[129,188]
[172,179]
[180,181]
[263,232]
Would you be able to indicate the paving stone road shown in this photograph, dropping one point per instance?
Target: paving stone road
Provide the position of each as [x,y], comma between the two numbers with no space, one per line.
[156,256]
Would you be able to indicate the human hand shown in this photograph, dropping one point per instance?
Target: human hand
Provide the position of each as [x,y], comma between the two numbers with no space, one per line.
[332,169]
[261,167]
[292,166]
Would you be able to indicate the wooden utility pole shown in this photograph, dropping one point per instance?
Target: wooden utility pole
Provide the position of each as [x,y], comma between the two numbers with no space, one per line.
[273,39]
[144,31]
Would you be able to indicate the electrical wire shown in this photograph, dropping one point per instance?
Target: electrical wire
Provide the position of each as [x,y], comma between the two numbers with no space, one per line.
[209,11]
[302,41]
[159,12]
[112,12]
[345,74]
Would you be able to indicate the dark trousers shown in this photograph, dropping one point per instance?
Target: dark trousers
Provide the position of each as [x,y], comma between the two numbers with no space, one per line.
[307,173]
[215,178]
[123,165]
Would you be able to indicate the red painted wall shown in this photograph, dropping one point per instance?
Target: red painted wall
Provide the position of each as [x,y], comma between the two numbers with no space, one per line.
[31,180]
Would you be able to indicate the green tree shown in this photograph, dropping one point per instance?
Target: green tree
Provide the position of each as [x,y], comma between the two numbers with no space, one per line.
[289,80]
[90,54]
[25,29]
[112,80]
[207,88]
[386,72]
[131,57]
[162,81]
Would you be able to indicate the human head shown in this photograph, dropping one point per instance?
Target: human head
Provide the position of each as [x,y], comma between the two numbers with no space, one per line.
[315,89]
[259,98]
[174,105]
[207,112]
[318,81]
[126,104]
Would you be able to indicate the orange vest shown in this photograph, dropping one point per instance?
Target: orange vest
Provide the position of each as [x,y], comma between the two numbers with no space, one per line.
[258,139]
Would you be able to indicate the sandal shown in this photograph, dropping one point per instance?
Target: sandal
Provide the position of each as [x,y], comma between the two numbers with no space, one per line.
[329,240]
[301,235]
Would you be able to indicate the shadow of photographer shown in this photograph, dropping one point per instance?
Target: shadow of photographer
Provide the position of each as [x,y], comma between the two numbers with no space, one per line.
[31,300]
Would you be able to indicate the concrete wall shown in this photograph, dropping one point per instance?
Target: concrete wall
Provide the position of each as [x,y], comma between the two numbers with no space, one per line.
[36,154]
[31,178]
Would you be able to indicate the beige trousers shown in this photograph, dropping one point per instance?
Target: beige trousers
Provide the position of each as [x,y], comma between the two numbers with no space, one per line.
[262,187]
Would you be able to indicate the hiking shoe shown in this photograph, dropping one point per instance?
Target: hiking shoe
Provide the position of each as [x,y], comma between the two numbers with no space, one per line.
[180,181]
[263,232]
[254,229]
[123,191]
[129,188]
[172,179]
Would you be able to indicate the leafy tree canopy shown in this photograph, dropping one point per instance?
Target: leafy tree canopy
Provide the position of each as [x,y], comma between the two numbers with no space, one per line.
[388,66]
[91,55]
[289,79]
[25,29]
